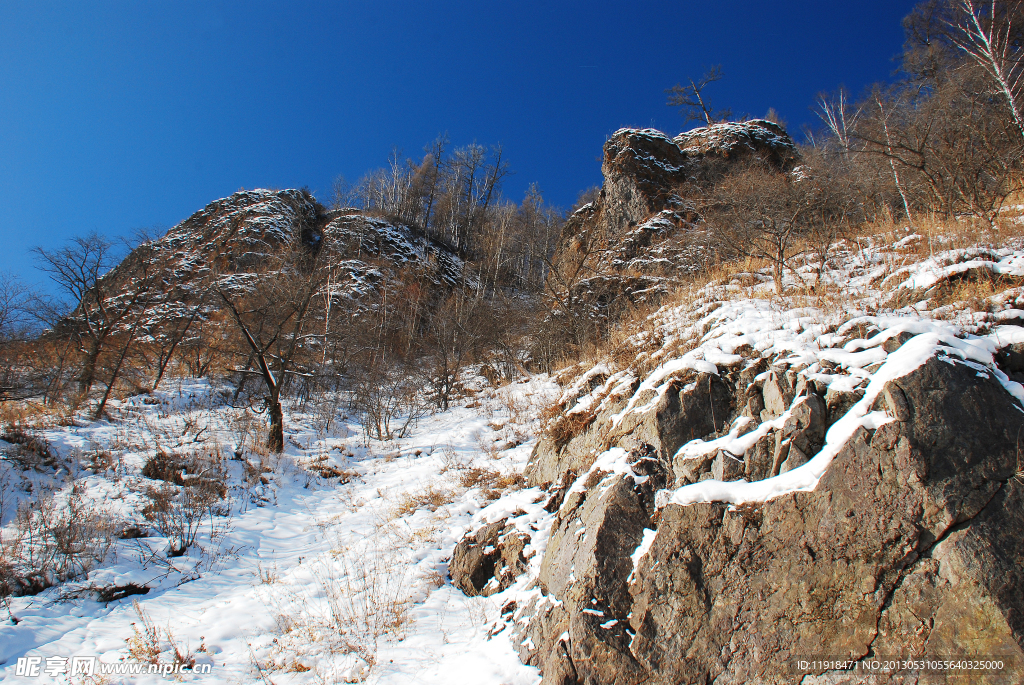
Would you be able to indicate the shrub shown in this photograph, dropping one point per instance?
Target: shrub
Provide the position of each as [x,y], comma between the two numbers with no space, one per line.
[32,451]
[194,470]
[431,499]
[178,513]
[56,538]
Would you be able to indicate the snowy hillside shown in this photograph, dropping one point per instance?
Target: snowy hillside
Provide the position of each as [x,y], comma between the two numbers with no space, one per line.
[331,561]
[746,478]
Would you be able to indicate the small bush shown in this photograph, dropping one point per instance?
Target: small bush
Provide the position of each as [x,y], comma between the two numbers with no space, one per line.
[431,499]
[144,644]
[178,513]
[195,470]
[31,451]
[100,462]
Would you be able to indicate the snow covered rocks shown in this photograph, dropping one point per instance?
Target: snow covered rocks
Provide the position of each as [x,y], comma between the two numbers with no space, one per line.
[906,542]
[232,242]
[764,483]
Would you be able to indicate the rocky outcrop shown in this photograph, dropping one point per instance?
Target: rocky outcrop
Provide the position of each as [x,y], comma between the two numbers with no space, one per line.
[732,142]
[235,237]
[912,543]
[639,234]
[230,236]
[881,559]
[693,405]
[232,240]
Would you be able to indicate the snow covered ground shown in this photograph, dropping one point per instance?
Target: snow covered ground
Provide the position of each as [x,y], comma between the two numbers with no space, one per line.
[306,578]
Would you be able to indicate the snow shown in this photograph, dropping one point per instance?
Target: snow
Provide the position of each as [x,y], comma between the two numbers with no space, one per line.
[823,346]
[925,274]
[932,338]
[641,550]
[656,381]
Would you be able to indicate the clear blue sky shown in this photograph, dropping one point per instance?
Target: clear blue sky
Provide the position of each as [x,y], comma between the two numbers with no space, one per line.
[119,115]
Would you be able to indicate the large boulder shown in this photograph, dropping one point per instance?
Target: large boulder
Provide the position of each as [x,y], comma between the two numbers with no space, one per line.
[911,544]
[584,635]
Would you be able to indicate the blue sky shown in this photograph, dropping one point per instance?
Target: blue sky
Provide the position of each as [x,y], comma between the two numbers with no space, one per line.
[121,115]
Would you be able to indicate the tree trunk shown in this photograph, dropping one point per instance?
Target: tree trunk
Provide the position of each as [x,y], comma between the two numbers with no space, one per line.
[114,374]
[170,353]
[275,439]
[88,375]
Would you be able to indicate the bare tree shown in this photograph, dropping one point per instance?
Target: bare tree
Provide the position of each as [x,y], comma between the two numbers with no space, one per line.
[100,305]
[834,111]
[273,322]
[169,334]
[342,193]
[990,33]
[453,334]
[883,118]
[77,269]
[832,204]
[429,174]
[760,213]
[14,304]
[692,101]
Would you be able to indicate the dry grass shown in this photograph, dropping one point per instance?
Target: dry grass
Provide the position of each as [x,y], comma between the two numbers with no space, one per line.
[562,427]
[362,598]
[53,539]
[31,451]
[974,292]
[493,483]
[267,575]
[939,233]
[146,644]
[636,331]
[322,469]
[430,499]
[34,415]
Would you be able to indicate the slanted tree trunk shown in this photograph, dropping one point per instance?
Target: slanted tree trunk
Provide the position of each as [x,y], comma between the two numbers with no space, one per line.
[115,373]
[174,345]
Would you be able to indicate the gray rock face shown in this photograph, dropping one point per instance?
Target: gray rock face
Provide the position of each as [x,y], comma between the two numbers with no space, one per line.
[912,543]
[735,141]
[778,394]
[235,238]
[585,569]
[802,434]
